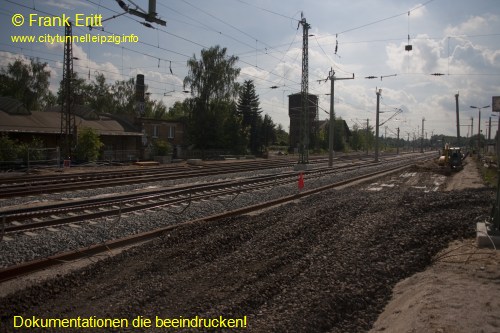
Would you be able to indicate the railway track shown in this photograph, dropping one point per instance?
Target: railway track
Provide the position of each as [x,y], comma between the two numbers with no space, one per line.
[44,184]
[32,185]
[182,196]
[93,208]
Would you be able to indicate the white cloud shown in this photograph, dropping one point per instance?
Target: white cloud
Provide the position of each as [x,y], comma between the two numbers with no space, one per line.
[427,56]
[419,12]
[85,64]
[474,25]
[66,4]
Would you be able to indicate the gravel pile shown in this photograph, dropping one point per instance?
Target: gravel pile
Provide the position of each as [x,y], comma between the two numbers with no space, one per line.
[45,242]
[325,264]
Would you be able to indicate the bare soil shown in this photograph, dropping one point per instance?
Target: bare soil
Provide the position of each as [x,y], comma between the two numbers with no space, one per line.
[459,292]
[328,263]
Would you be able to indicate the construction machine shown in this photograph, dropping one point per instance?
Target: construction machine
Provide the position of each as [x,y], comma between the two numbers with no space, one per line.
[452,158]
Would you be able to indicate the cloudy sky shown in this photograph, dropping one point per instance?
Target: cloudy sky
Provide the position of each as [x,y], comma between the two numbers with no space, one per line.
[457,38]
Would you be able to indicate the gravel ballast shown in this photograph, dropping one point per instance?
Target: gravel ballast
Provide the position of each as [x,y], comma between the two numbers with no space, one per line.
[44,242]
[325,264]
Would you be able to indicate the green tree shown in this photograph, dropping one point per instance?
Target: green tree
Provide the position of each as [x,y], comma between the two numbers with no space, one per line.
[88,145]
[156,110]
[81,91]
[213,77]
[282,136]
[268,131]
[339,142]
[248,108]
[235,135]
[361,139]
[212,82]
[28,83]
[102,98]
[180,111]
[124,97]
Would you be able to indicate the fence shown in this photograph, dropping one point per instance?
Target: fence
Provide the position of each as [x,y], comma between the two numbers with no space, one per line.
[29,158]
[203,154]
[121,155]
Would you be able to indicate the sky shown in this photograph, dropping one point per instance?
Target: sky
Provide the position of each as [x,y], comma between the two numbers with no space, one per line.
[457,38]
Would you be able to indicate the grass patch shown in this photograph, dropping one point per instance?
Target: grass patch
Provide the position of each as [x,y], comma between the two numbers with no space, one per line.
[488,174]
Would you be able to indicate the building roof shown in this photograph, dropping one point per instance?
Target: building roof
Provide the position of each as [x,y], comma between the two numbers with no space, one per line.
[12,106]
[49,122]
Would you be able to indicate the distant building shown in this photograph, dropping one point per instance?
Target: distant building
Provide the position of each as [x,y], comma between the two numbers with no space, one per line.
[345,134]
[166,130]
[295,114]
[124,139]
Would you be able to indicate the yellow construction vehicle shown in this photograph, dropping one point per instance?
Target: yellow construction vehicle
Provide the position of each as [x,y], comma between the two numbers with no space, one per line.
[452,158]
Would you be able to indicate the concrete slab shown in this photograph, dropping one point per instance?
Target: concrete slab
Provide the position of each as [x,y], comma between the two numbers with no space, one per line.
[147,163]
[194,161]
[485,238]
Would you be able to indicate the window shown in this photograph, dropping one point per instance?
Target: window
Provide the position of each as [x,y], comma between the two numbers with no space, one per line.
[155,131]
[171,132]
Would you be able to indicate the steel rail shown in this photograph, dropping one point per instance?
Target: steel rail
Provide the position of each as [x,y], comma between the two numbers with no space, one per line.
[39,264]
[30,185]
[75,183]
[238,186]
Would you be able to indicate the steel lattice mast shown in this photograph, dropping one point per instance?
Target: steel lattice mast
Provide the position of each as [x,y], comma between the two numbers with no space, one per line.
[304,128]
[67,116]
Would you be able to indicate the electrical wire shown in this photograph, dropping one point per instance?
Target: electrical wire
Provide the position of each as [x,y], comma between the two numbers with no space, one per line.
[267,10]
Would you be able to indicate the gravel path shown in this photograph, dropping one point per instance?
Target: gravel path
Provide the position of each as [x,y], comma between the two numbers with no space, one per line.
[325,264]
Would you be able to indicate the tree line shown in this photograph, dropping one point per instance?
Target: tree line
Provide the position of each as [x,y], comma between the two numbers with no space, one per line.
[220,112]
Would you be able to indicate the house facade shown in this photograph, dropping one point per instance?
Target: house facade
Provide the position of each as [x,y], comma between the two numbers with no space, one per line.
[123,139]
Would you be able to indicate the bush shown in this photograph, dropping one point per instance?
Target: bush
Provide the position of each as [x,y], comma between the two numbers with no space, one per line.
[89,144]
[8,149]
[30,150]
[161,148]
[12,150]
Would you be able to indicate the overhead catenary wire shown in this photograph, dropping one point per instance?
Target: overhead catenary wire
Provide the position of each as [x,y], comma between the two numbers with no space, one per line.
[264,69]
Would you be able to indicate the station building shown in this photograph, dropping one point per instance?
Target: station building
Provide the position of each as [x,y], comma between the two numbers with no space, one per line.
[124,139]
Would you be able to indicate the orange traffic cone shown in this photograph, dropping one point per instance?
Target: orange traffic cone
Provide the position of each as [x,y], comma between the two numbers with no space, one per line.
[301,181]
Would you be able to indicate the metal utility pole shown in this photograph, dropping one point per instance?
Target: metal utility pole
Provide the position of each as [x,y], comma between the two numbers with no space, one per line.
[397,142]
[422,141]
[379,92]
[304,126]
[67,116]
[332,78]
[458,120]
[489,126]
[495,214]
[489,130]
[471,126]
[479,127]
[367,134]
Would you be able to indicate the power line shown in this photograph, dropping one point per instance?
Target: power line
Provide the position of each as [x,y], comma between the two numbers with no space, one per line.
[385,19]
[267,10]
